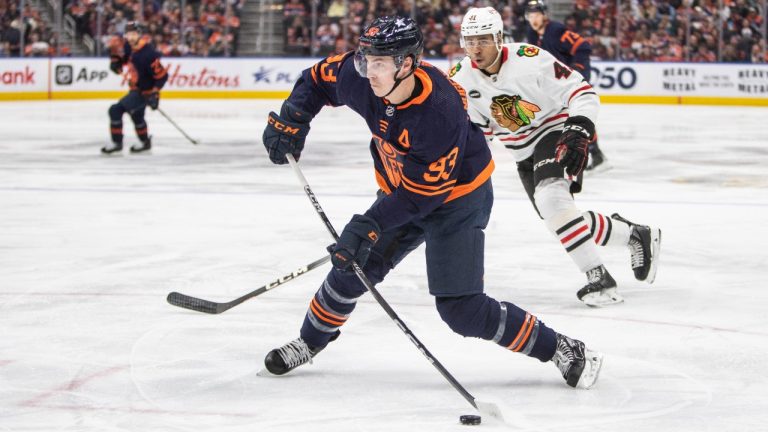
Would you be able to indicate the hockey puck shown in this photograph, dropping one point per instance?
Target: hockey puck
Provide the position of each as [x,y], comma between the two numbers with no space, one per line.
[470,419]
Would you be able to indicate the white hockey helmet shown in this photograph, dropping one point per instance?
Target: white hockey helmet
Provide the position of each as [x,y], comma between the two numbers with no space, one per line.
[482,21]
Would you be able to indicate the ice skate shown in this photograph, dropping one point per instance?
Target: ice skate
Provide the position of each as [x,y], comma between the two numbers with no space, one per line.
[600,289]
[112,147]
[288,357]
[142,146]
[597,161]
[644,247]
[579,366]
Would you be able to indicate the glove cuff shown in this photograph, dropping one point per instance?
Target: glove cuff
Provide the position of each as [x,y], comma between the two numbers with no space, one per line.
[581,125]
[372,230]
[291,112]
[286,127]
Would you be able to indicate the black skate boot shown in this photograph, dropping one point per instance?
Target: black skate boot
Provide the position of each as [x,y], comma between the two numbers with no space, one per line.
[288,357]
[600,289]
[644,246]
[597,161]
[579,366]
[142,146]
[112,147]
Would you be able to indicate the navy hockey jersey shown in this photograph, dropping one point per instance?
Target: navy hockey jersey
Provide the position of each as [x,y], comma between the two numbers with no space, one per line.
[565,45]
[145,73]
[425,150]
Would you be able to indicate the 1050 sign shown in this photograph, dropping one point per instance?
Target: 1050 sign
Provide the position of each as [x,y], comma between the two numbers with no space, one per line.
[608,77]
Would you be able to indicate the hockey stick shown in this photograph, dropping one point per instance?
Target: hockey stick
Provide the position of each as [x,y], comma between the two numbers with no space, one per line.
[176,126]
[483,407]
[210,307]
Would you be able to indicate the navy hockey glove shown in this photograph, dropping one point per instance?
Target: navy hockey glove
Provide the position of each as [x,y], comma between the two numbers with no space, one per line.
[571,151]
[355,242]
[153,99]
[115,65]
[285,133]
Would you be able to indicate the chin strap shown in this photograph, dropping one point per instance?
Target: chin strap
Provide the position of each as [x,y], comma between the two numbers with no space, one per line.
[400,80]
[498,53]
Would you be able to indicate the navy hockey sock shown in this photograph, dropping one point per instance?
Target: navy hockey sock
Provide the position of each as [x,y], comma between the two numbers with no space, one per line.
[328,310]
[504,323]
[116,132]
[116,112]
[141,131]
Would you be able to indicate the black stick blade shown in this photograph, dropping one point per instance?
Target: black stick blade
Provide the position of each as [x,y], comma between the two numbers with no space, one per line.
[193,303]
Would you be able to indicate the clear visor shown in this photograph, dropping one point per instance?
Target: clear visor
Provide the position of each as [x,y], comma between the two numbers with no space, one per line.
[375,65]
[478,41]
[528,14]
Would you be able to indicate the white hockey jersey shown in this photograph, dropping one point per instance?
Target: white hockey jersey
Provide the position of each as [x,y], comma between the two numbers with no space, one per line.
[532,95]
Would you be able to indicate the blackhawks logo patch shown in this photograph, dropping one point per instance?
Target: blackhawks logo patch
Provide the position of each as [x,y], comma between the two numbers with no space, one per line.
[528,51]
[512,112]
[454,69]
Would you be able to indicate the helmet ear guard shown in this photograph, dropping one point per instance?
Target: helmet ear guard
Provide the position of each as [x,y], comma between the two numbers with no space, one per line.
[135,26]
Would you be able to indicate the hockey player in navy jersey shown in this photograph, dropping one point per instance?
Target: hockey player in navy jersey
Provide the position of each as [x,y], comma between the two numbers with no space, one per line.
[544,112]
[568,47]
[146,76]
[433,169]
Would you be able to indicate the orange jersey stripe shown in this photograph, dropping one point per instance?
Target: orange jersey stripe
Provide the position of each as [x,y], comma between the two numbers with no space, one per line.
[314,74]
[461,190]
[427,187]
[382,183]
[426,82]
[419,191]
[576,45]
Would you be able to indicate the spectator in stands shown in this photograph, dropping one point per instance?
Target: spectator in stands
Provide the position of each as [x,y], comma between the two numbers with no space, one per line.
[12,38]
[326,35]
[298,37]
[336,9]
[295,8]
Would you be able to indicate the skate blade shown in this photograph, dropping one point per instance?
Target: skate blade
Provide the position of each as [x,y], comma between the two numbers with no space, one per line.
[264,372]
[655,251]
[591,369]
[602,298]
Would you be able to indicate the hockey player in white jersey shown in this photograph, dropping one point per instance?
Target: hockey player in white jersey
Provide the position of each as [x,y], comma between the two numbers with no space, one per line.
[545,112]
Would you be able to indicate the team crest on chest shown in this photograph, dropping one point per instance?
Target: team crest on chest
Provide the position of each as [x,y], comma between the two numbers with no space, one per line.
[528,51]
[512,112]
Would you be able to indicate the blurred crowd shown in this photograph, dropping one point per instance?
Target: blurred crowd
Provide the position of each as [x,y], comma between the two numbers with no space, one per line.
[672,30]
[39,37]
[638,30]
[635,30]
[203,28]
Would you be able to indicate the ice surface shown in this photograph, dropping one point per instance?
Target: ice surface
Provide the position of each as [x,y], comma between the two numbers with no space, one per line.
[91,245]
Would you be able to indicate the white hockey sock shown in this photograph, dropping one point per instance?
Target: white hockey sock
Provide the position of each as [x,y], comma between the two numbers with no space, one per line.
[570,227]
[606,231]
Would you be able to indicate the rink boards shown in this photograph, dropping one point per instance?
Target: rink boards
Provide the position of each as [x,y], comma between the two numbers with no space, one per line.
[271,78]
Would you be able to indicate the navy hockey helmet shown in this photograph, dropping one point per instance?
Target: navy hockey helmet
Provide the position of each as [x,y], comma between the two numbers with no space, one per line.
[394,36]
[536,6]
[135,26]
